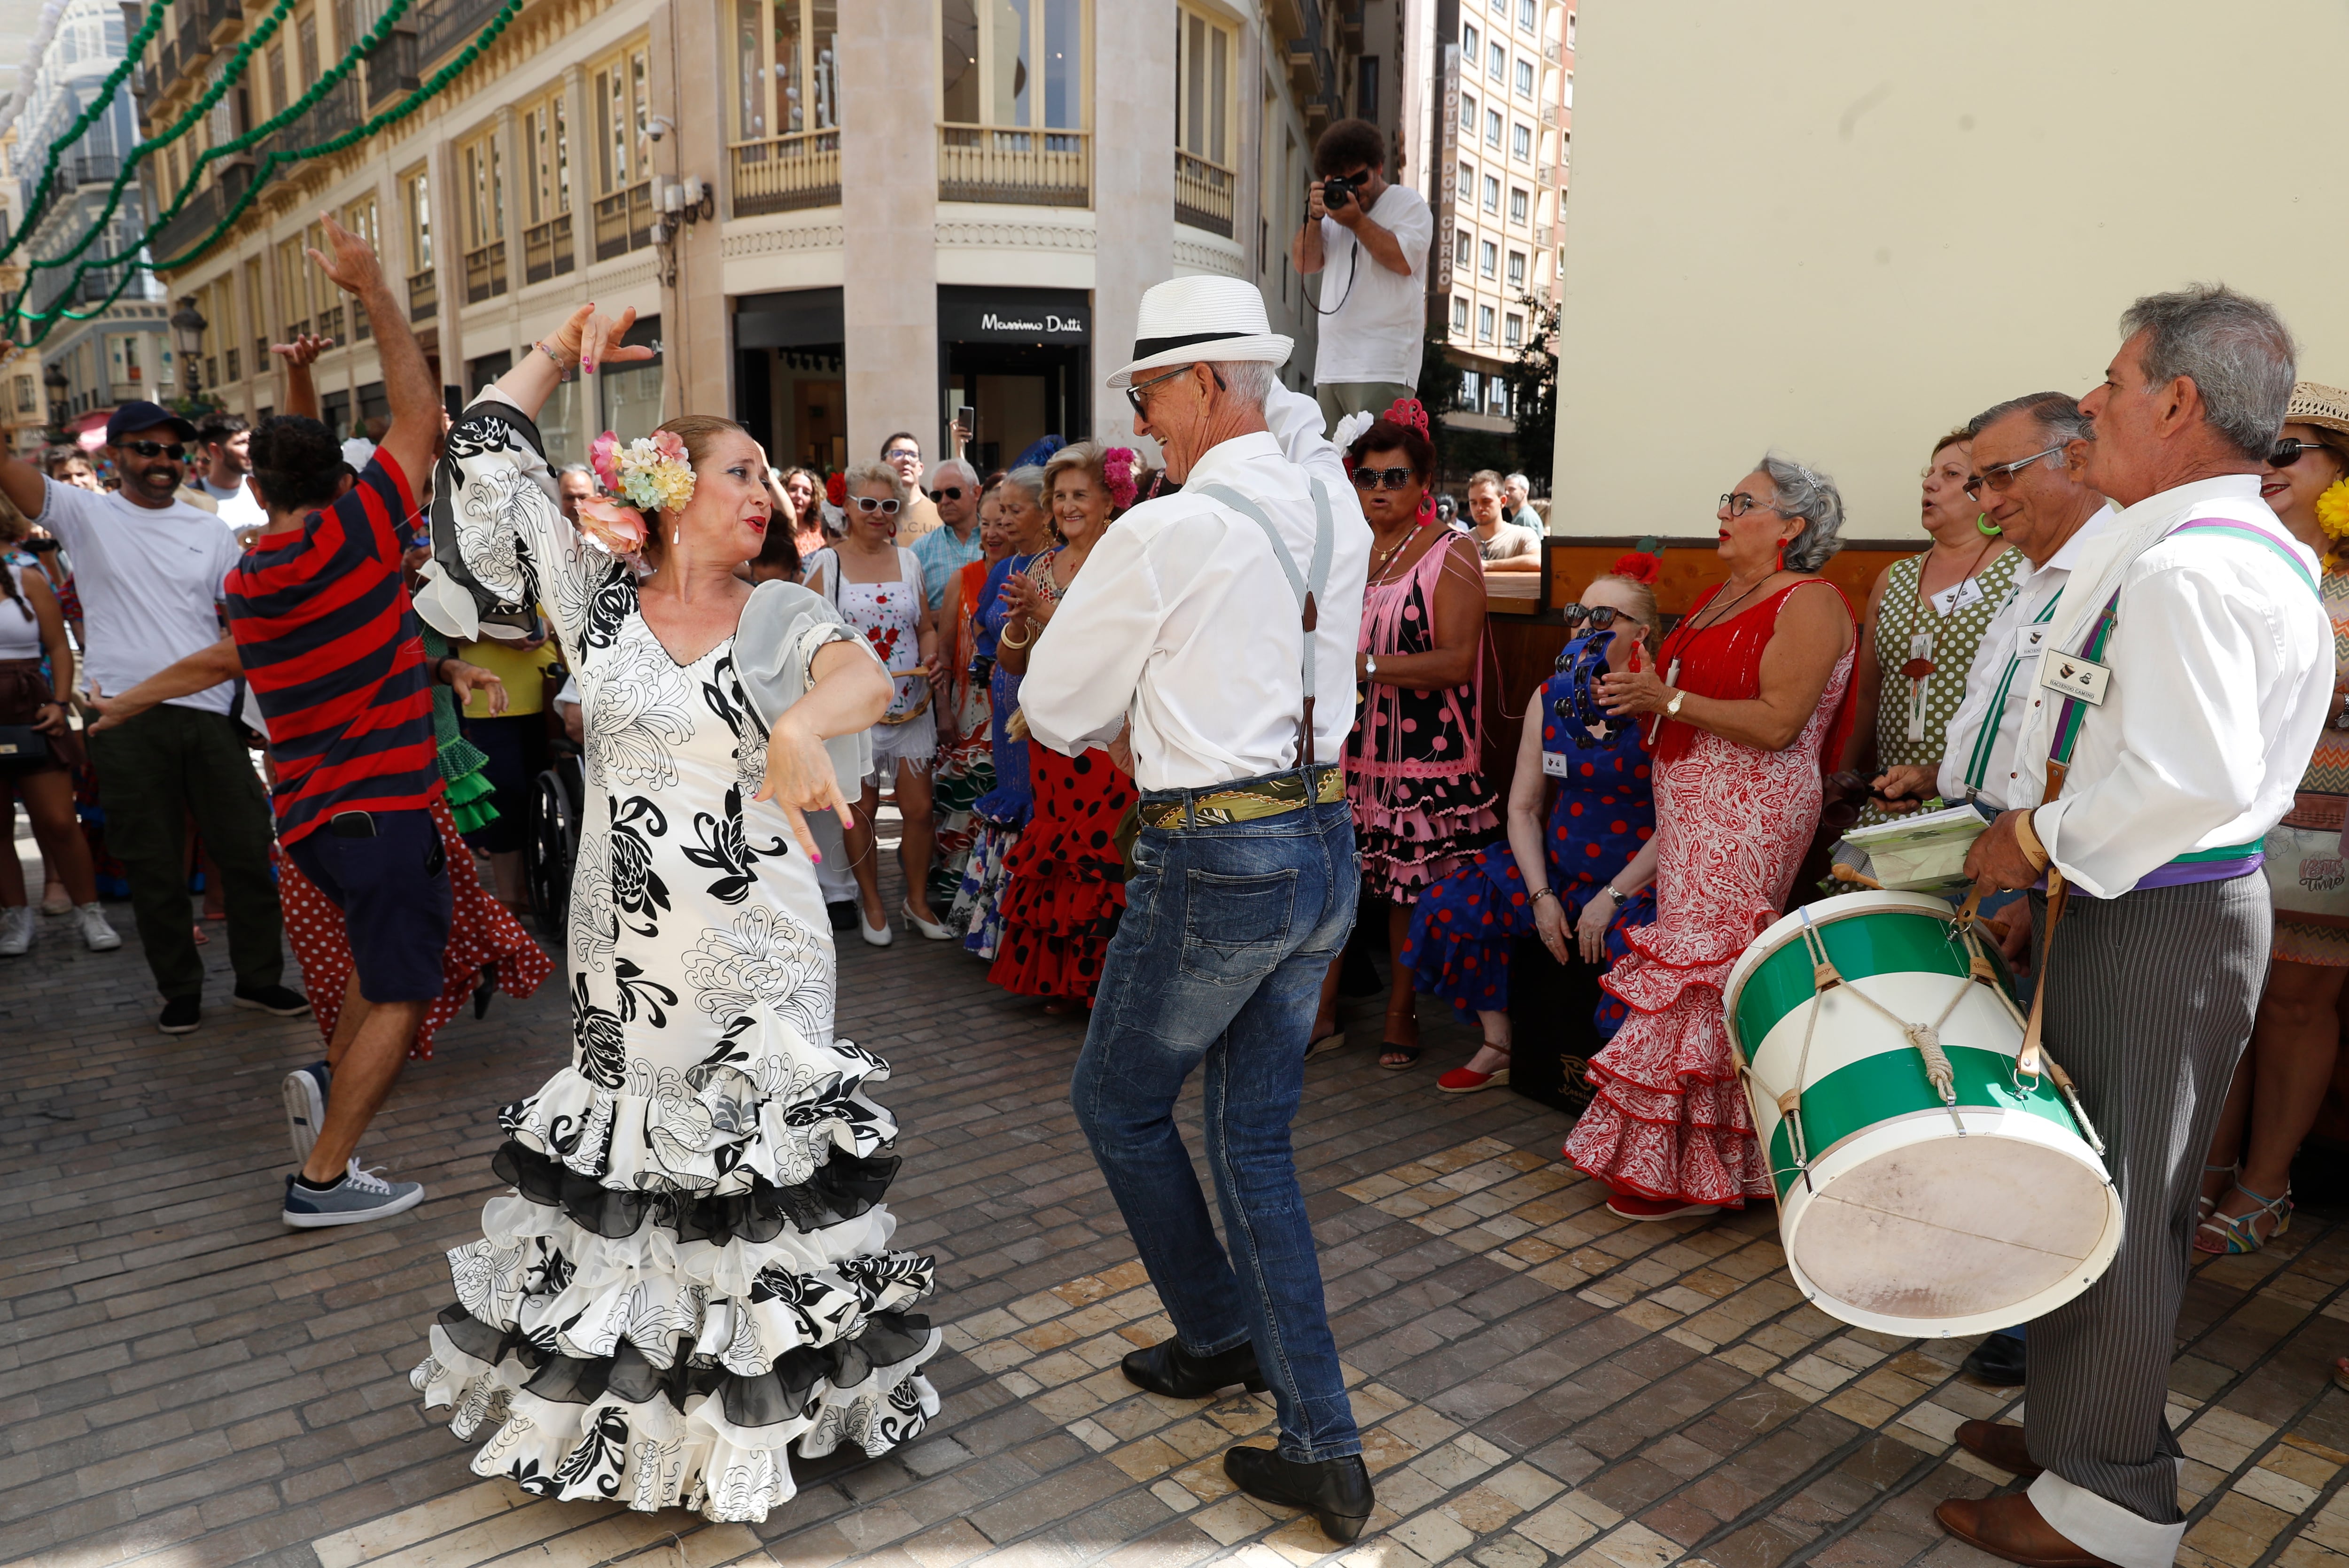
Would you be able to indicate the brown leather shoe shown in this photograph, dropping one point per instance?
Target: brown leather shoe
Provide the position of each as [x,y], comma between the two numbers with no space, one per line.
[2010,1527]
[2001,1445]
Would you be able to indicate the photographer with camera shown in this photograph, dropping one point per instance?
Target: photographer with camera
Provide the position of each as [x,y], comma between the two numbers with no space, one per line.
[1372,327]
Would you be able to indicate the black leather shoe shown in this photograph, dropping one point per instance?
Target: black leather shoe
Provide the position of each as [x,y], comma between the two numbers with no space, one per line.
[1337,1491]
[1997,1361]
[1167,1368]
[842,915]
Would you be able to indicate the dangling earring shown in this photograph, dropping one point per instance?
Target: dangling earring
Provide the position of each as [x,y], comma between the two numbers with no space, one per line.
[1988,529]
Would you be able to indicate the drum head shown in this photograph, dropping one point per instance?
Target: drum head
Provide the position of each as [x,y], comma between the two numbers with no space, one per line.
[1948,1228]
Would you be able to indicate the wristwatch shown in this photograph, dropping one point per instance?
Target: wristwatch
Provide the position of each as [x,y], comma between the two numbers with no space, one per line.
[1370,664]
[1672,708]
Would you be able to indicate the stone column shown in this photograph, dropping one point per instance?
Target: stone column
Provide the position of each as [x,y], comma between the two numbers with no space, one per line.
[575,116]
[1133,188]
[448,263]
[888,208]
[697,335]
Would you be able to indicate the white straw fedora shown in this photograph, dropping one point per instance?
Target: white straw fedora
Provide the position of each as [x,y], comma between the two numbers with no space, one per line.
[1185,321]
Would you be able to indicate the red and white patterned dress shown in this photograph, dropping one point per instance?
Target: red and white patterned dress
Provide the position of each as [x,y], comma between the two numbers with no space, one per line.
[1668,1119]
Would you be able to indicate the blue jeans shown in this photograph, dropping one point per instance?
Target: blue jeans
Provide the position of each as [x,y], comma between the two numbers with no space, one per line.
[1227,933]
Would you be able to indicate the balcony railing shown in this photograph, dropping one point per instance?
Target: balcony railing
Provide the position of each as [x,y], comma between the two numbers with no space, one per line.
[444,26]
[330,323]
[546,249]
[391,68]
[485,271]
[1541,235]
[96,169]
[195,221]
[235,359]
[1202,194]
[361,328]
[785,173]
[624,220]
[222,20]
[1030,167]
[423,295]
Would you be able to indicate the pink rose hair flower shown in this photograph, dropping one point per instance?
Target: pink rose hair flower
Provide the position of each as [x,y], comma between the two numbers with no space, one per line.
[1117,470]
[604,457]
[615,529]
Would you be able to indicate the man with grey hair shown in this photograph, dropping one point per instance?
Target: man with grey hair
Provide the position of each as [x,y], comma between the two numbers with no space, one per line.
[1198,627]
[1516,491]
[2184,677]
[954,544]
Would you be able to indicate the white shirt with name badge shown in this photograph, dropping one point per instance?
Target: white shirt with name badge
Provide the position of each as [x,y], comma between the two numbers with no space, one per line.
[2221,680]
[2013,637]
[150,582]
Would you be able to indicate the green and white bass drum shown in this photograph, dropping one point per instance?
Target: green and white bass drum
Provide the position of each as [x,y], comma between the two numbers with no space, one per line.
[1927,1185]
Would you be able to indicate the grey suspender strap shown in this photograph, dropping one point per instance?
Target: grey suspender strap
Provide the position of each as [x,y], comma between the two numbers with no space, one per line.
[1308,589]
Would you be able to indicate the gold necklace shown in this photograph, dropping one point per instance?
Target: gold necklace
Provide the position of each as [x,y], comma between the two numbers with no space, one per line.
[1379,571]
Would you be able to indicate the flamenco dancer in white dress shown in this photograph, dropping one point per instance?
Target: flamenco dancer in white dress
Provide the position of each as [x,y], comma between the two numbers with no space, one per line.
[691,1275]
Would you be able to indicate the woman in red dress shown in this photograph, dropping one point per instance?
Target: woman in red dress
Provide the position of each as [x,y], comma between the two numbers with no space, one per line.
[1067,873]
[1748,696]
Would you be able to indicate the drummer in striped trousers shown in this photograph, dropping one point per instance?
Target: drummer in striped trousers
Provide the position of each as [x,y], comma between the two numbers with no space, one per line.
[2184,677]
[2028,453]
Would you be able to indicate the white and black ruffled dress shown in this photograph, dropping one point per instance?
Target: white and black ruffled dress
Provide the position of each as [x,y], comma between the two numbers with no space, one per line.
[692,1272]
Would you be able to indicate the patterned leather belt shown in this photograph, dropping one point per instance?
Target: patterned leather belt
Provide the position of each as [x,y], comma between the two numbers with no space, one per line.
[1245,802]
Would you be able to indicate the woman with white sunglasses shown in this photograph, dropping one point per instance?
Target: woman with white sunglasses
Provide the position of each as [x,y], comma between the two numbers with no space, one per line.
[877,584]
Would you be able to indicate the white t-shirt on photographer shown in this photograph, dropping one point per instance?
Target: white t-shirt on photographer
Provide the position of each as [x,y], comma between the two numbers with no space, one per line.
[1375,329]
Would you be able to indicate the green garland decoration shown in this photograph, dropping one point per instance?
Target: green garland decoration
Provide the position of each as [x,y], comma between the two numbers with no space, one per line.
[230,75]
[38,207]
[430,90]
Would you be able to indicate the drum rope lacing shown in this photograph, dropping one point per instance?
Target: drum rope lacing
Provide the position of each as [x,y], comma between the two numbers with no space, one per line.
[1924,1038]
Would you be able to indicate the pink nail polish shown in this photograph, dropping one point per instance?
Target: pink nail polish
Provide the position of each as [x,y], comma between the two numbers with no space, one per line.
[588,365]
[816,856]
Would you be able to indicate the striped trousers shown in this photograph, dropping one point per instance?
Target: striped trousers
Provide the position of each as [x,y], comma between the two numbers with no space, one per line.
[2149,999]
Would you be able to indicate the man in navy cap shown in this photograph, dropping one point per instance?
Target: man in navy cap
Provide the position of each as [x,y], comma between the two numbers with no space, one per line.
[148,568]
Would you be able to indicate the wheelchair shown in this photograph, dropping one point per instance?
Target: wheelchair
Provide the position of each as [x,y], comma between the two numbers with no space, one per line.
[551,845]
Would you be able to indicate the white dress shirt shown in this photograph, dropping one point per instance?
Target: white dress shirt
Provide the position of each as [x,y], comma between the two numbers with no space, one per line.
[1182,620]
[2002,659]
[2221,661]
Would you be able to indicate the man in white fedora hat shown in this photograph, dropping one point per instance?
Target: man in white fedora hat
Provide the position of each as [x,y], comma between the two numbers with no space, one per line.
[1219,624]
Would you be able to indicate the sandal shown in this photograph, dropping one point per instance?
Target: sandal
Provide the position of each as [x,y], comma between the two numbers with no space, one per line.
[1410,1055]
[2207,1204]
[2233,1235]
[1324,1044]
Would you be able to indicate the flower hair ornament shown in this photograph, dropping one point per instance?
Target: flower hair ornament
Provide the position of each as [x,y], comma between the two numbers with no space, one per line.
[2333,516]
[1640,565]
[1117,472]
[1408,412]
[651,473]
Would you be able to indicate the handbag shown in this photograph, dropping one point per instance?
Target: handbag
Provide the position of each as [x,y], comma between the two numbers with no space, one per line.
[2308,877]
[23,749]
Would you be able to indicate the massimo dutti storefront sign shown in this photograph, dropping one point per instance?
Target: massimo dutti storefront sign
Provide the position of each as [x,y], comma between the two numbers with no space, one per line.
[1011,315]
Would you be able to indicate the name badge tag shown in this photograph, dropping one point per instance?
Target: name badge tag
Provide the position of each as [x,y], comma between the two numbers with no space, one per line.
[1555,764]
[2028,639]
[2074,676]
[1949,601]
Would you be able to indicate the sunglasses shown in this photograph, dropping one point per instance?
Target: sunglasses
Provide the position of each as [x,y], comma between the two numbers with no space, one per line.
[903,455]
[1133,393]
[886,507]
[1383,479]
[951,492]
[175,451]
[1600,617]
[2290,450]
[2001,478]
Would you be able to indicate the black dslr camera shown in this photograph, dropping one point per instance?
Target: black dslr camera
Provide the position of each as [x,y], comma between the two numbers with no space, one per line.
[1339,189]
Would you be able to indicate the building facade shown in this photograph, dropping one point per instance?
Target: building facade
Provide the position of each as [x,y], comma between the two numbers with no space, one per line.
[834,220]
[125,352]
[1489,128]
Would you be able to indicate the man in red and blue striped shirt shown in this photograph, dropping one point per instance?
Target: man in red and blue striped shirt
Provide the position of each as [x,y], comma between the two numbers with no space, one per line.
[331,646]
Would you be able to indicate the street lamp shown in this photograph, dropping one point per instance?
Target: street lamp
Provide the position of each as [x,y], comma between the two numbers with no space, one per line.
[188,331]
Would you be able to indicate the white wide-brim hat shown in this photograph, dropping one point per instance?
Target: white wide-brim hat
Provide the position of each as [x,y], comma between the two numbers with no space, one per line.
[1187,321]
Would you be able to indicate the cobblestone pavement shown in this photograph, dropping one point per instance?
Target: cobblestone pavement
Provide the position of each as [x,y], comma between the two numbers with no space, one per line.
[184,1382]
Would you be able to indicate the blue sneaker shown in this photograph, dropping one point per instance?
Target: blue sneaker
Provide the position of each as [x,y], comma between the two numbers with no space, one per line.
[360,1195]
[305,1106]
